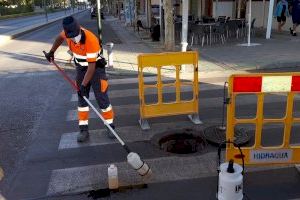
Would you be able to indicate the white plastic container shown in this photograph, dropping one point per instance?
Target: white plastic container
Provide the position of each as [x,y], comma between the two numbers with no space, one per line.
[141,167]
[230,184]
[113,181]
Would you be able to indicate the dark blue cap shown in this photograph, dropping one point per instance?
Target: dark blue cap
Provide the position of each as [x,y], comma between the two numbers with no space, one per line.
[71,27]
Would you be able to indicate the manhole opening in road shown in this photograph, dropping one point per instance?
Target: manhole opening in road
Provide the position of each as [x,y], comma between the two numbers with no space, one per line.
[182,142]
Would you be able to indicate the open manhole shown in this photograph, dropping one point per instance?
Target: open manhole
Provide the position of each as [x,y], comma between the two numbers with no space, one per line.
[182,142]
[216,135]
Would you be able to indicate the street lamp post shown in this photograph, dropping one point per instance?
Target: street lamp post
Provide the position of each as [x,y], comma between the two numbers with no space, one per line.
[65,7]
[99,19]
[73,5]
[45,8]
[185,16]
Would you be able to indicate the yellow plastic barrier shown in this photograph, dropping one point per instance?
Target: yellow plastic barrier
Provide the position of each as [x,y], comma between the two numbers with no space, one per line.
[161,108]
[262,84]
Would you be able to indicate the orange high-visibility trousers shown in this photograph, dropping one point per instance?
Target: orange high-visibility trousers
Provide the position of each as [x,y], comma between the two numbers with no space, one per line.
[99,85]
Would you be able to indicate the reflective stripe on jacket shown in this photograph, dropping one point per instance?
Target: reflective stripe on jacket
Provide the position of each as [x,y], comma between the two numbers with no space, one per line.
[87,50]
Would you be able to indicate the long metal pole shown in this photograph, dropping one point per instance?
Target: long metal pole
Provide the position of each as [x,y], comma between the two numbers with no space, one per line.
[249,22]
[45,8]
[65,7]
[99,20]
[270,19]
[75,87]
[185,16]
[161,20]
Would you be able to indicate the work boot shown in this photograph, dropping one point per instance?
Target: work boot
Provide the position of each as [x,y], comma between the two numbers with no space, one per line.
[109,133]
[83,136]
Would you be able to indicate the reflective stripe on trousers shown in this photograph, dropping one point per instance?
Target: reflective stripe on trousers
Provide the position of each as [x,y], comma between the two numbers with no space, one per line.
[99,85]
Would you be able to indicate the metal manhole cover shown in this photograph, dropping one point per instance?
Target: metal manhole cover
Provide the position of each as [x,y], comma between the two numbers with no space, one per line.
[217,135]
[183,142]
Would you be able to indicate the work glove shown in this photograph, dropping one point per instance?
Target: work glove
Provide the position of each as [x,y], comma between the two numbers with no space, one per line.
[50,56]
[83,91]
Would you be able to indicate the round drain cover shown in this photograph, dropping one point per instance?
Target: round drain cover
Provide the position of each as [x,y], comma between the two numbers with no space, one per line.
[217,135]
[182,142]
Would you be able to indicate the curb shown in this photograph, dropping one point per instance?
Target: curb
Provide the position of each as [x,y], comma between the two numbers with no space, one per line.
[4,39]
[120,73]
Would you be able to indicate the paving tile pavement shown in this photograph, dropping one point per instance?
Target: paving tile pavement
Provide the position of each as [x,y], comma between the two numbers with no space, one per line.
[278,52]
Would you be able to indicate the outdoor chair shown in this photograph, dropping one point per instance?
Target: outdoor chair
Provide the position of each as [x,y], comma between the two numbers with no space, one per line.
[253,27]
[197,34]
[206,19]
[221,19]
[219,31]
[240,28]
[232,29]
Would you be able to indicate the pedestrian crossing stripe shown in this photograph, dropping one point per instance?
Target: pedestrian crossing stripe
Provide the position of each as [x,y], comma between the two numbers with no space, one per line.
[133,109]
[167,90]
[164,169]
[173,168]
[205,78]
[131,134]
[128,133]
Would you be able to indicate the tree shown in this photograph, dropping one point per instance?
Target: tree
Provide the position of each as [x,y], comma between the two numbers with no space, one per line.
[169,26]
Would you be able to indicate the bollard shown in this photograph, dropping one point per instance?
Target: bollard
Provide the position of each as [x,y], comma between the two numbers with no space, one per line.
[110,54]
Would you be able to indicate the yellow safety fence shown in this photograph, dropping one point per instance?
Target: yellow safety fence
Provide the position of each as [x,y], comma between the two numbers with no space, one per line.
[260,85]
[161,108]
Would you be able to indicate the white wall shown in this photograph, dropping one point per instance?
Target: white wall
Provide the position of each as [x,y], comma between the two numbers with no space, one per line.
[155,2]
[224,9]
[257,12]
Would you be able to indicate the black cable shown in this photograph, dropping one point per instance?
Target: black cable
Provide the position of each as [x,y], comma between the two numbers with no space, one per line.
[224,103]
[236,145]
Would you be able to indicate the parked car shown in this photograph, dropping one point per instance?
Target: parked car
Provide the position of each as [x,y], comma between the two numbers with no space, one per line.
[94,13]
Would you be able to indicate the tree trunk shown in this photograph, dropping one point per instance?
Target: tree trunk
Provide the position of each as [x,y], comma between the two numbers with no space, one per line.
[169,25]
[149,13]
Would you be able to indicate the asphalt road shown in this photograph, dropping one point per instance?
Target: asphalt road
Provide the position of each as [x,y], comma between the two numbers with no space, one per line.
[36,119]
[9,25]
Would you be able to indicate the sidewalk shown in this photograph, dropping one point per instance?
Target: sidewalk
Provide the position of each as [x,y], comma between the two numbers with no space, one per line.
[130,45]
[280,52]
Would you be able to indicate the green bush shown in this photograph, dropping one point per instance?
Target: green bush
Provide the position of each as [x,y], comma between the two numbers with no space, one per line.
[17,10]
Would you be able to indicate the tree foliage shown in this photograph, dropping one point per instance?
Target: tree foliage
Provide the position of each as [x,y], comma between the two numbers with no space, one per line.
[31,2]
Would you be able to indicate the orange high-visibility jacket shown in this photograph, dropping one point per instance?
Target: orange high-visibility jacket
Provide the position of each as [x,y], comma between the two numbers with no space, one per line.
[87,50]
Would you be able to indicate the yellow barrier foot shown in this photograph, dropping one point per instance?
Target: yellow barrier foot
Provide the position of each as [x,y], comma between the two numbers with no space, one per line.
[195,119]
[144,124]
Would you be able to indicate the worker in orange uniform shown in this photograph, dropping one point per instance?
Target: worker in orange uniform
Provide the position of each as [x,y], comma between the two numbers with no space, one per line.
[90,67]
